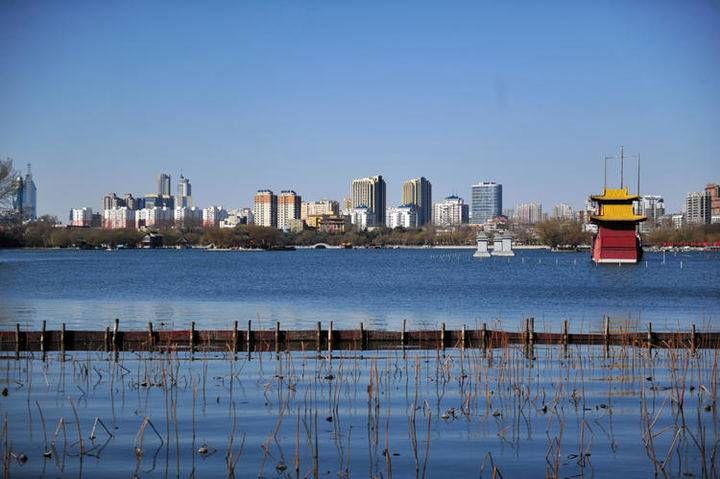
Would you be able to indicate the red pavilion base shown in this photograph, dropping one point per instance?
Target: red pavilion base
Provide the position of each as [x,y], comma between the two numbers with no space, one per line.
[617,243]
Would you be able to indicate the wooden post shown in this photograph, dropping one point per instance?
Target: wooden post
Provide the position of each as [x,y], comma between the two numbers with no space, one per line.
[442,336]
[277,337]
[330,337]
[42,339]
[565,335]
[650,335]
[115,338]
[693,344]
[235,337]
[192,337]
[362,337]
[248,337]
[150,338]
[531,331]
[484,336]
[606,333]
[318,337]
[62,342]
[402,333]
[526,336]
[462,337]
[17,340]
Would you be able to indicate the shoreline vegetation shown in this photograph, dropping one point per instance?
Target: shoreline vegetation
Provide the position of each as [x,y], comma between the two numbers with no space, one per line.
[556,234]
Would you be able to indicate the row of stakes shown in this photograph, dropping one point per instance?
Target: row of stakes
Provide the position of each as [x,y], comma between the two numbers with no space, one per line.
[112,338]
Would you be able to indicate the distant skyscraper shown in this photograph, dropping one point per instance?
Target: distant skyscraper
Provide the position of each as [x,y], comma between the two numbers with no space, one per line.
[529,213]
[418,192]
[370,192]
[111,200]
[563,211]
[184,193]
[696,208]
[265,208]
[452,211]
[486,202]
[712,192]
[288,208]
[653,208]
[24,199]
[163,185]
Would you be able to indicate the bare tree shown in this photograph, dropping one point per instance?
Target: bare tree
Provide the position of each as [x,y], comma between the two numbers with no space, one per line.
[7,184]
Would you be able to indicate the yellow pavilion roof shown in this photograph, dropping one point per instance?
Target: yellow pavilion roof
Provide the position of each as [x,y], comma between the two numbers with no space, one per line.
[615,194]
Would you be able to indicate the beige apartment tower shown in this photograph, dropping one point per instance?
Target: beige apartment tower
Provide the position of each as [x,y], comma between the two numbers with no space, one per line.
[370,193]
[265,209]
[288,209]
[418,192]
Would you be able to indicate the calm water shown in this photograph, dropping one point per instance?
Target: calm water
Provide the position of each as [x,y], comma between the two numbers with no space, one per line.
[581,416]
[87,289]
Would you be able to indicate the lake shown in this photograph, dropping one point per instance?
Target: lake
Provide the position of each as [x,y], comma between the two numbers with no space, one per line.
[88,289]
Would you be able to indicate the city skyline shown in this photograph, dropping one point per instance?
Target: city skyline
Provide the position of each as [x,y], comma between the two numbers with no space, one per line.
[243,96]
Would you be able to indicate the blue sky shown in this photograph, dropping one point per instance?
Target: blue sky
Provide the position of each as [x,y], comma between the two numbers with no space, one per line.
[102,96]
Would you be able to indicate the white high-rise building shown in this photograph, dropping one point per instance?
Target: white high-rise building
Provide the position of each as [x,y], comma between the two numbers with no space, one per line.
[81,217]
[362,218]
[118,218]
[213,215]
[405,216]
[154,217]
[288,209]
[697,209]
[452,211]
[563,211]
[652,207]
[529,213]
[188,217]
[265,210]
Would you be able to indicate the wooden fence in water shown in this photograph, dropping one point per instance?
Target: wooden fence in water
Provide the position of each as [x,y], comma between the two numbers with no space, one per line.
[249,340]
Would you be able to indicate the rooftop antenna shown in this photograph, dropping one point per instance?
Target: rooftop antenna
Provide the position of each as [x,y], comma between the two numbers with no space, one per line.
[622,165]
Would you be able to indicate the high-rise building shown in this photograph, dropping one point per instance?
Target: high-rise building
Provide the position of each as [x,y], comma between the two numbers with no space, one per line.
[133,203]
[111,200]
[563,211]
[319,208]
[184,193]
[418,192]
[188,217]
[118,218]
[696,208]
[653,208]
[452,211]
[212,216]
[24,199]
[154,217]
[529,213]
[712,192]
[486,202]
[404,216]
[288,208]
[163,185]
[370,193]
[362,218]
[265,209]
[81,217]
[159,201]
